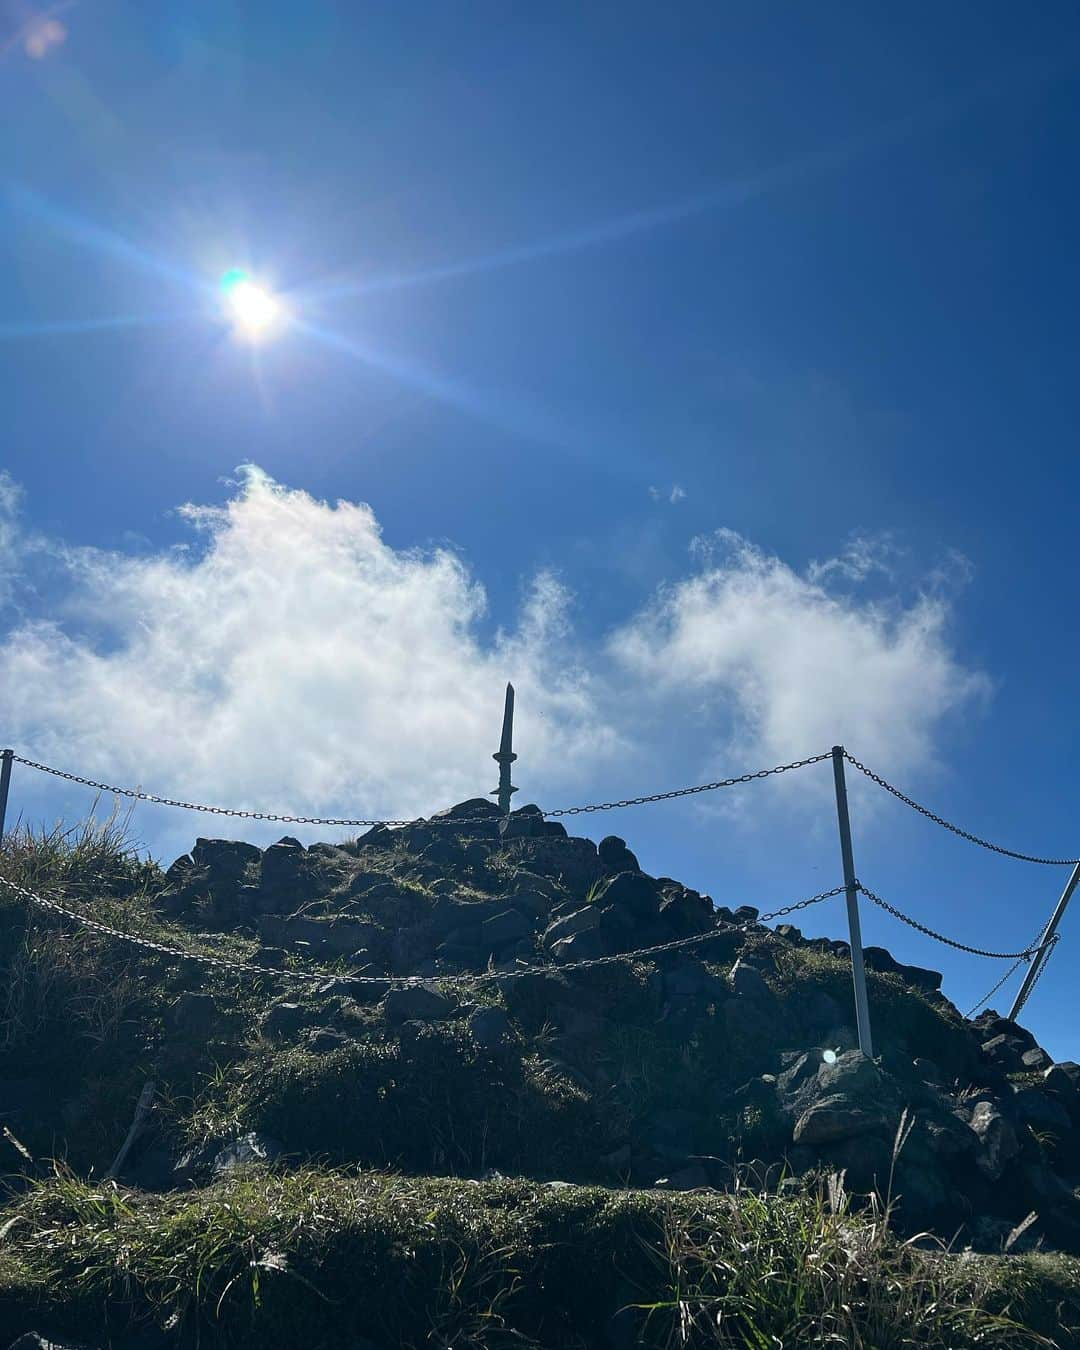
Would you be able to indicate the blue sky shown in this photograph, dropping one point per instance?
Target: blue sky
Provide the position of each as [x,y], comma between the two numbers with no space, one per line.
[709,371]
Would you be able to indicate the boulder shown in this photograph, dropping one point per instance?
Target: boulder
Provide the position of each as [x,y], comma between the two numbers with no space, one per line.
[34,1340]
[835,1118]
[746,982]
[615,856]
[584,946]
[632,892]
[489,1027]
[282,1021]
[998,1143]
[417,1003]
[1005,1052]
[1036,1059]
[193,1014]
[247,1151]
[503,929]
[579,921]
[693,1177]
[1043,1113]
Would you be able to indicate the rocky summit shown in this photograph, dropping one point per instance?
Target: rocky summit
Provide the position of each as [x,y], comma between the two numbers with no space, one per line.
[674,1070]
[431,1002]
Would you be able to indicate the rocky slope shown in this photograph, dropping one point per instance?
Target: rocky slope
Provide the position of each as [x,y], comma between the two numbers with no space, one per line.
[730,1036]
[502,1056]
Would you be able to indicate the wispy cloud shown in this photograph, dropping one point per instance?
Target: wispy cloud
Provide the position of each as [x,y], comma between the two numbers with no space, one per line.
[675,494]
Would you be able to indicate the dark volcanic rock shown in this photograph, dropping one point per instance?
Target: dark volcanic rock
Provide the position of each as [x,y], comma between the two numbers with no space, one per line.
[417,1003]
[615,856]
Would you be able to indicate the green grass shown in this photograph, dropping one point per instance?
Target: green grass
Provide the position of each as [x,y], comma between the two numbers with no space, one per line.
[316,1258]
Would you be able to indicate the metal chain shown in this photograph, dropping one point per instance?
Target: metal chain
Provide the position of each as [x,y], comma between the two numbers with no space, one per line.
[1040,972]
[689,791]
[1009,974]
[403,981]
[451,821]
[1026,954]
[945,824]
[1004,980]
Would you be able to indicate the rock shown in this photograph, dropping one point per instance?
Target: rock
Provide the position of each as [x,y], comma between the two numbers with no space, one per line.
[1004,1051]
[746,915]
[877,958]
[632,892]
[691,1178]
[417,1003]
[580,921]
[224,857]
[585,946]
[746,982]
[1036,1059]
[851,1073]
[503,929]
[247,1151]
[1059,1083]
[1042,1112]
[832,1119]
[615,856]
[998,1143]
[282,1021]
[193,1015]
[442,853]
[686,912]
[789,933]
[33,1340]
[324,1040]
[926,1070]
[489,1027]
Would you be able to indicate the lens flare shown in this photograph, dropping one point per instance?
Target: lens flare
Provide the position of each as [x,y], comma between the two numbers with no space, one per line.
[254,310]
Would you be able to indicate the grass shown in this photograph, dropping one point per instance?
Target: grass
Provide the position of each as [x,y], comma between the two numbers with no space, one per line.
[317,1258]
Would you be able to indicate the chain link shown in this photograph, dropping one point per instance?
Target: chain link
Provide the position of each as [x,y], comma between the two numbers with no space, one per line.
[945,824]
[451,821]
[1025,955]
[1004,980]
[1039,973]
[688,791]
[402,981]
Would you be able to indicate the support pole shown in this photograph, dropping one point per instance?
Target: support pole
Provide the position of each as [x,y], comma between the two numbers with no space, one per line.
[851,890]
[1040,957]
[6,757]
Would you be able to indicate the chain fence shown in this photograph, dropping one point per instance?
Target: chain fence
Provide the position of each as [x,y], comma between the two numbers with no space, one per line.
[948,825]
[1047,947]
[135,794]
[452,822]
[1024,955]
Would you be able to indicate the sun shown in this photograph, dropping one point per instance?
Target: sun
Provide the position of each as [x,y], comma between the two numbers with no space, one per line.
[254,310]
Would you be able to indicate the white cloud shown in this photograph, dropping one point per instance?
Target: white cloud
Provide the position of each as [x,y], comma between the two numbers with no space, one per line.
[675,494]
[294,657]
[290,658]
[790,668]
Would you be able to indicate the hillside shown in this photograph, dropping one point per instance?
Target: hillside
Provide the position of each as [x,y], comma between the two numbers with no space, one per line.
[437,1114]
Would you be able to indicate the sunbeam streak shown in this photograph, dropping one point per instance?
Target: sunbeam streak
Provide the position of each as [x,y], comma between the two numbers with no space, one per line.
[74,327]
[516,418]
[100,239]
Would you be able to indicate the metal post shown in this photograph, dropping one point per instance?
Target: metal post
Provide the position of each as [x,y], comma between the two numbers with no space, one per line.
[851,890]
[6,757]
[1040,958]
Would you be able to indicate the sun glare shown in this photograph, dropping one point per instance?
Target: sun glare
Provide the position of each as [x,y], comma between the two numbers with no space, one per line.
[254,310]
